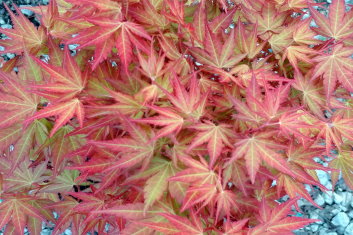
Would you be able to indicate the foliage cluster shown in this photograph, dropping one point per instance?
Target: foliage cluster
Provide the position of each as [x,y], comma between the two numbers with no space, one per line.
[173,117]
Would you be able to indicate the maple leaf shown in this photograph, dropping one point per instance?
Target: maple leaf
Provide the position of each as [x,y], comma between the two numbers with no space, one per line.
[9,135]
[343,162]
[171,121]
[102,5]
[63,182]
[295,53]
[293,188]
[157,184]
[90,202]
[311,93]
[215,136]
[69,80]
[177,225]
[269,19]
[16,103]
[333,130]
[126,33]
[248,41]
[259,147]
[66,214]
[149,16]
[24,36]
[17,208]
[132,211]
[60,146]
[64,112]
[203,182]
[234,228]
[190,103]
[339,23]
[199,23]
[152,67]
[215,54]
[226,203]
[335,66]
[137,148]
[26,142]
[274,221]
[303,33]
[25,178]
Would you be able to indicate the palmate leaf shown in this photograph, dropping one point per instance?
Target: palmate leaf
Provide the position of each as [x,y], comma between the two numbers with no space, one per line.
[339,23]
[137,149]
[171,121]
[68,79]
[132,211]
[296,53]
[190,103]
[260,147]
[103,5]
[344,163]
[17,208]
[66,215]
[334,130]
[177,225]
[64,112]
[124,34]
[25,177]
[215,54]
[335,66]
[157,185]
[60,146]
[24,36]
[90,202]
[275,221]
[215,135]
[267,16]
[16,103]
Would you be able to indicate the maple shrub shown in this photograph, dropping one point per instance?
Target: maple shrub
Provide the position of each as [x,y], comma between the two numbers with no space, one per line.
[173,117]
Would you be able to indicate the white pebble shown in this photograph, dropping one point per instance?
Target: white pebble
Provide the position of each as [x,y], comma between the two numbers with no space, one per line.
[349,229]
[320,200]
[328,197]
[6,26]
[323,177]
[341,220]
[337,198]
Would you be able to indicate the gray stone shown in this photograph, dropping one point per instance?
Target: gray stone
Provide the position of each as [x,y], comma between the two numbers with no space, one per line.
[343,208]
[329,185]
[340,230]
[315,215]
[340,220]
[302,202]
[323,231]
[314,227]
[10,55]
[320,200]
[335,211]
[6,26]
[323,177]
[337,198]
[347,198]
[349,229]
[26,11]
[328,196]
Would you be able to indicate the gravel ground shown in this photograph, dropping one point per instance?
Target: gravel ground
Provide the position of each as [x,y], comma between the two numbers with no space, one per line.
[337,213]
